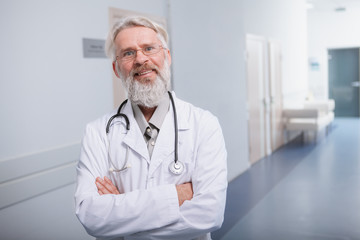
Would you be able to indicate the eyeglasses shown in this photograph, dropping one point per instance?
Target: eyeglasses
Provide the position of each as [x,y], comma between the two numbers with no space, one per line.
[129,55]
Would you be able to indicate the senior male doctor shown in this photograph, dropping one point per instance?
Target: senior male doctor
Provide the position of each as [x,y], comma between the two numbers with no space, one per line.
[128,185]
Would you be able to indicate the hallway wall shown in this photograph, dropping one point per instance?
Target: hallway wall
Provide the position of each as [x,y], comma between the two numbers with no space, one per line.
[209,67]
[48,90]
[285,22]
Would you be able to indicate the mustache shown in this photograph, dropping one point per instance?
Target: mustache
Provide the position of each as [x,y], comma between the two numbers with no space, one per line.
[144,67]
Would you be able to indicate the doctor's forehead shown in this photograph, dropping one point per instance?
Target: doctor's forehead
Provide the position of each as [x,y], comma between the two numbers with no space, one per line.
[132,36]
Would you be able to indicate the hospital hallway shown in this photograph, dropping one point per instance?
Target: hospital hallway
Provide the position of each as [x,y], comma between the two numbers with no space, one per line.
[301,192]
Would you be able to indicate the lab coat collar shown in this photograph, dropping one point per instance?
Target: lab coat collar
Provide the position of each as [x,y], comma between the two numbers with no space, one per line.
[134,134]
[165,141]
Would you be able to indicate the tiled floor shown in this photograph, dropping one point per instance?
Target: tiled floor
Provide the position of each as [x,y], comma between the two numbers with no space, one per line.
[300,192]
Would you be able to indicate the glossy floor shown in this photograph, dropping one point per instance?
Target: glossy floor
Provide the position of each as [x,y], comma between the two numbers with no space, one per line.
[301,192]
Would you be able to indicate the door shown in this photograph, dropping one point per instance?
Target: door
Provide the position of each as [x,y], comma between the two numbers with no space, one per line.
[256,75]
[344,81]
[275,73]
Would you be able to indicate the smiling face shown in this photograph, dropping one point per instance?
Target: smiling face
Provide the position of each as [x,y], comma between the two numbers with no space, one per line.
[142,68]
[145,77]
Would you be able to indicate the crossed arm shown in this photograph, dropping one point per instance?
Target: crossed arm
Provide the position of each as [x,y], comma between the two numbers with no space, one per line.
[105,186]
[114,213]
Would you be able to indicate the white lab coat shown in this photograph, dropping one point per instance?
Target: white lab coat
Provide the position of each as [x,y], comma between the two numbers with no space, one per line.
[147,207]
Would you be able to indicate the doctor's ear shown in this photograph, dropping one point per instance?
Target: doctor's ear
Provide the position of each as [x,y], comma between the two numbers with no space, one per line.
[115,68]
[169,56]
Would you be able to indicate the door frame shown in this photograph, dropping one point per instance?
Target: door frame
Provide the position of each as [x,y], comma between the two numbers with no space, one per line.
[257,102]
[276,96]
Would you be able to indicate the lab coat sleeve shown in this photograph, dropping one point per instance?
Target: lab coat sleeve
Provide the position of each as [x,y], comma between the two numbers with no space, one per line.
[204,213]
[117,215]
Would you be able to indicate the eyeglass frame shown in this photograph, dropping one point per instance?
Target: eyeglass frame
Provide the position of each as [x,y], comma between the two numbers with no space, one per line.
[142,50]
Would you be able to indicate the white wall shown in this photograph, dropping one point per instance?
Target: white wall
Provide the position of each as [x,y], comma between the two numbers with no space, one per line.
[48,91]
[329,30]
[285,22]
[209,69]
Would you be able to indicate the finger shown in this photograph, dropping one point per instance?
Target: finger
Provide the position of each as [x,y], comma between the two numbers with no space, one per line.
[187,186]
[101,181]
[107,186]
[98,179]
[100,192]
[100,186]
[187,191]
[106,179]
[191,187]
[110,186]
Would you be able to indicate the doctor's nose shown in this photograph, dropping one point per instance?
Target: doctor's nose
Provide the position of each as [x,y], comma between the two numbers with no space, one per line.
[140,58]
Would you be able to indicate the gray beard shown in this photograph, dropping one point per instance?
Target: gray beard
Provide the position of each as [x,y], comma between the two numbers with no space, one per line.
[146,94]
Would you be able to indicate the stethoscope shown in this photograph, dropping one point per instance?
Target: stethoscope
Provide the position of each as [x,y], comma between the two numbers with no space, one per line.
[176,167]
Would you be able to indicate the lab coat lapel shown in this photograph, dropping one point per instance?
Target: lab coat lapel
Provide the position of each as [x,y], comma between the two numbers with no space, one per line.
[134,138]
[183,113]
[165,143]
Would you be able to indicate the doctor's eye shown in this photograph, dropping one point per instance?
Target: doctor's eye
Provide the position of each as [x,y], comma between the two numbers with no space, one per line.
[149,49]
[127,54]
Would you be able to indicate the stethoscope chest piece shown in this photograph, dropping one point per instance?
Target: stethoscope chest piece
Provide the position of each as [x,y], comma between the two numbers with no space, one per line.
[176,167]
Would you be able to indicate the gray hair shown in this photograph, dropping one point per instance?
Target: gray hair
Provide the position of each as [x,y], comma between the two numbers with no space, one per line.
[133,21]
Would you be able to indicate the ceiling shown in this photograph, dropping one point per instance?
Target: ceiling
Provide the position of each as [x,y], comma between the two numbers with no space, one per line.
[331,5]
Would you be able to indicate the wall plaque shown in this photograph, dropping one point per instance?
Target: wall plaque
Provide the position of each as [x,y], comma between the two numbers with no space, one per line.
[94,48]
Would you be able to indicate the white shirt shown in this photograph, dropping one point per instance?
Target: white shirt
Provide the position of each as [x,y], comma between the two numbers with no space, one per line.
[147,207]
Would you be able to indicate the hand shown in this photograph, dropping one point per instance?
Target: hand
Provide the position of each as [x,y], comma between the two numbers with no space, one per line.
[185,192]
[105,186]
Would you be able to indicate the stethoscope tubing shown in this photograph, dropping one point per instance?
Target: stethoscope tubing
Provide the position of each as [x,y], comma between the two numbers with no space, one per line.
[118,114]
[176,127]
[175,167]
